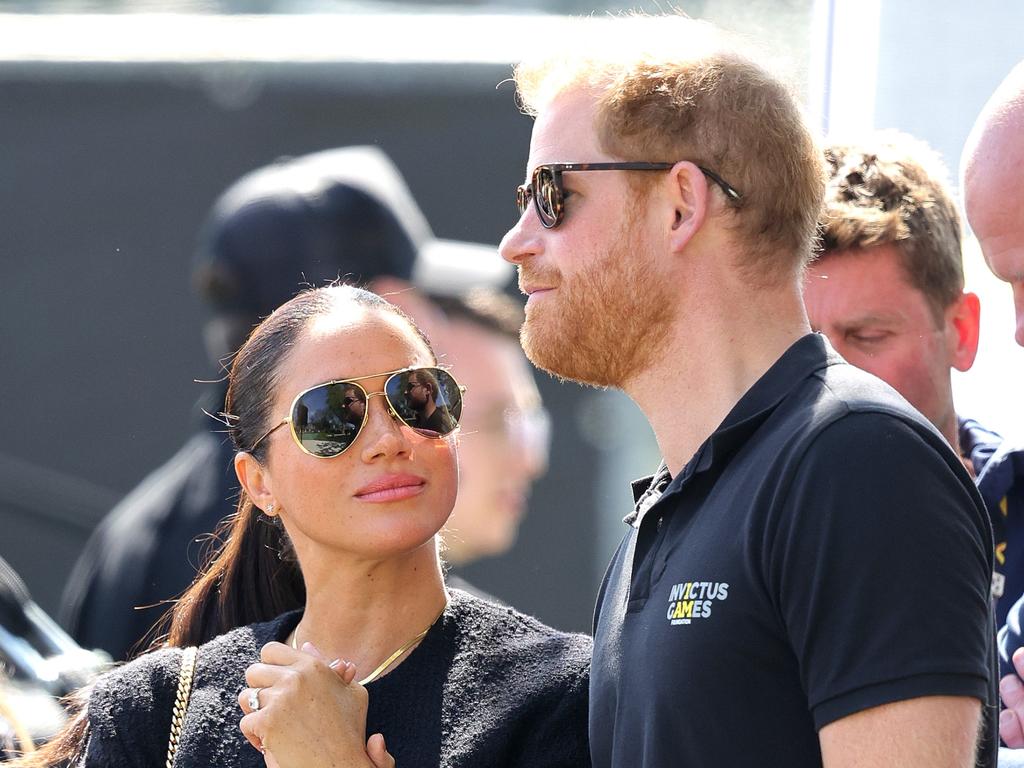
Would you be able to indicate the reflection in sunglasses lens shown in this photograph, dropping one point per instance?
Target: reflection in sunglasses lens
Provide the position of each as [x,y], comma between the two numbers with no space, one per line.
[327,419]
[427,399]
[522,198]
[547,193]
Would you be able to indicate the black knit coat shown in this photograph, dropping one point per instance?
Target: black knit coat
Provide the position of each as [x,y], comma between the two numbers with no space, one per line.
[487,686]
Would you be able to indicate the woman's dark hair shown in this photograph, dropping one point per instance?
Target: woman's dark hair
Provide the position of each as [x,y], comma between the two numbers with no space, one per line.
[246,580]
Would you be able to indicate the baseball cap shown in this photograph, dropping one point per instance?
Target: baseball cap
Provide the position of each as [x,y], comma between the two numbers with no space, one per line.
[308,220]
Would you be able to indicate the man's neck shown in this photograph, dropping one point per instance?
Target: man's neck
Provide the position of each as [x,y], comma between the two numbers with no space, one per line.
[707,364]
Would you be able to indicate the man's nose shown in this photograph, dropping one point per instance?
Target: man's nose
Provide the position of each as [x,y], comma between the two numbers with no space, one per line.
[523,240]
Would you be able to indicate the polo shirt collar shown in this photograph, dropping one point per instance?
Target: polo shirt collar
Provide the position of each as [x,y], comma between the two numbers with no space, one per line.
[808,354]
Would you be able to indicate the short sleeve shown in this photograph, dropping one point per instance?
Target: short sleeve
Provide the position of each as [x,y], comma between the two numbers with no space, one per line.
[880,558]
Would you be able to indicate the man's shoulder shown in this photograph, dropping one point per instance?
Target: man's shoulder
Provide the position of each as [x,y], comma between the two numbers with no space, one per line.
[1003,471]
[843,425]
[850,404]
[857,391]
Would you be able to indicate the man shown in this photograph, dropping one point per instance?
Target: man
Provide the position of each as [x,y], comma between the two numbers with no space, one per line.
[888,291]
[778,593]
[992,163]
[427,399]
[339,213]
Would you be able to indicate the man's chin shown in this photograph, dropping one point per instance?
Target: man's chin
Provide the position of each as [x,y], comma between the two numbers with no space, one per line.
[556,353]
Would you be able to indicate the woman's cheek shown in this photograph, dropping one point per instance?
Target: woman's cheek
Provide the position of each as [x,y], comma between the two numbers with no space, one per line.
[445,457]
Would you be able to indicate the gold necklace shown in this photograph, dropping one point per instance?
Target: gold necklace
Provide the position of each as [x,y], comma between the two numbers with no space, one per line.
[383,666]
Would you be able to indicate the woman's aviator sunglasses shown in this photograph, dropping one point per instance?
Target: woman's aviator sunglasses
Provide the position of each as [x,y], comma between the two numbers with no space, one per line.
[326,419]
[545,187]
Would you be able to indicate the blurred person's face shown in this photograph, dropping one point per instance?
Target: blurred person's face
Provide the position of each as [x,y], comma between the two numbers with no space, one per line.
[864,303]
[598,308]
[497,466]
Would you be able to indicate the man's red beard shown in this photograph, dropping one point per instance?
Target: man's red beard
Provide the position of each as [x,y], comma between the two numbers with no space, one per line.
[603,325]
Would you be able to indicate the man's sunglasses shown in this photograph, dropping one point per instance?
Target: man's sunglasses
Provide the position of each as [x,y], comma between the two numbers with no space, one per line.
[545,187]
[326,419]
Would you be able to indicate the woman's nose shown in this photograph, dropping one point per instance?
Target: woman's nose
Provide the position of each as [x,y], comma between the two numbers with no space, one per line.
[385,437]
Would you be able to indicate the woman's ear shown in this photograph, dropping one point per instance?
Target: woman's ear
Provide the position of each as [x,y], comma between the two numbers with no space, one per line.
[255,479]
[689,197]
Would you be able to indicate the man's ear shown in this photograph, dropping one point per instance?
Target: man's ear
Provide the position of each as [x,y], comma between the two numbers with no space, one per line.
[256,481]
[963,318]
[689,197]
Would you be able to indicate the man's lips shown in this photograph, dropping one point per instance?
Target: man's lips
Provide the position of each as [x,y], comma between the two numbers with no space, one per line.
[530,288]
[533,291]
[391,488]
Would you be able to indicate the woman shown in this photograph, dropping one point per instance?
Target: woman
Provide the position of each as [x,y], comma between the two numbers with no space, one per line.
[333,556]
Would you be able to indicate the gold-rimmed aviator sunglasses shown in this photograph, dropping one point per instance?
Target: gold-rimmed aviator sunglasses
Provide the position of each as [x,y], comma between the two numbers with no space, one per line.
[326,419]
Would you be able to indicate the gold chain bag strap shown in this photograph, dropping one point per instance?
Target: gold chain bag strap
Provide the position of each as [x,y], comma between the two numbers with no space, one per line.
[185,675]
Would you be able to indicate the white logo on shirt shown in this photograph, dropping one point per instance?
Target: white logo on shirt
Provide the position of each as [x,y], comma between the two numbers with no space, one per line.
[692,600]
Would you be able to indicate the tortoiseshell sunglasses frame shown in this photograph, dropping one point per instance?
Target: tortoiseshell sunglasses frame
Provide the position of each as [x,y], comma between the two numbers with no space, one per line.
[556,201]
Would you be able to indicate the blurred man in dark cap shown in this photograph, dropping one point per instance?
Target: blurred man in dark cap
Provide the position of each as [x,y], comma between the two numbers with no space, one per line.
[340,213]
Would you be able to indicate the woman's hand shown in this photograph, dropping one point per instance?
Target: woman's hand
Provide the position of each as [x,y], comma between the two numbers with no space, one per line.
[310,712]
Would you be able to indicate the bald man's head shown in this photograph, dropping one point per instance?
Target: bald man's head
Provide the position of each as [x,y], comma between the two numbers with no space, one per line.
[993,169]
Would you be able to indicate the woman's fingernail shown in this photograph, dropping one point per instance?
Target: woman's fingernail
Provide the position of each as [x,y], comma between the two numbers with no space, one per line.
[335,664]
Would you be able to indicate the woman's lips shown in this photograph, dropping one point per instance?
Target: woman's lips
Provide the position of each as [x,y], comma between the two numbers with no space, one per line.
[391,488]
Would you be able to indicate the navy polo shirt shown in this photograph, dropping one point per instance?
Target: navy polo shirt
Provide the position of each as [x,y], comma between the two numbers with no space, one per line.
[823,552]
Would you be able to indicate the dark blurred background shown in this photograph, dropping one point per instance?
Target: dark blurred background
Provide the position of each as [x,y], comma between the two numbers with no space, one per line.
[117,132]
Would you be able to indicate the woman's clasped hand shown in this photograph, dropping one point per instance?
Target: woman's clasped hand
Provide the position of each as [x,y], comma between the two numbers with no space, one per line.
[286,681]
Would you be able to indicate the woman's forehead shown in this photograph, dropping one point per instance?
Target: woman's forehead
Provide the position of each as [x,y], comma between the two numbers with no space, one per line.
[348,344]
[347,315]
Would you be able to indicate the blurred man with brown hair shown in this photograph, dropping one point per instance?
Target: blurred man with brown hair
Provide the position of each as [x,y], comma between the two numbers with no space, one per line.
[888,291]
[783,576]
